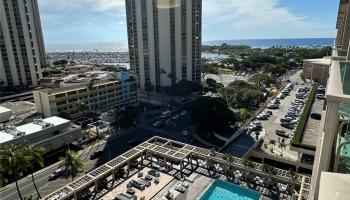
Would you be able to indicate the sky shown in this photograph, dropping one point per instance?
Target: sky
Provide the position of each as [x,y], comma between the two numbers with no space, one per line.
[90,21]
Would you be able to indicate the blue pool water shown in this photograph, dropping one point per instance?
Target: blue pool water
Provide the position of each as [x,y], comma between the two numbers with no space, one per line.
[223,190]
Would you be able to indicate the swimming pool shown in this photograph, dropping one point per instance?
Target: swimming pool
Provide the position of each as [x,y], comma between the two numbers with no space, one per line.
[223,190]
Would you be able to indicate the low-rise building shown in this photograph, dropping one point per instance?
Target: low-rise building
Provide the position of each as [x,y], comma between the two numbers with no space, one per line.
[317,69]
[78,95]
[5,114]
[51,133]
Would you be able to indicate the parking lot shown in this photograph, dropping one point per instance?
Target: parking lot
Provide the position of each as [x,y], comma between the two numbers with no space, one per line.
[272,143]
[311,132]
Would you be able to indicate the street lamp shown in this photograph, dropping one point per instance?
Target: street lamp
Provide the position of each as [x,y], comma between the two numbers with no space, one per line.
[162,71]
[109,152]
[174,130]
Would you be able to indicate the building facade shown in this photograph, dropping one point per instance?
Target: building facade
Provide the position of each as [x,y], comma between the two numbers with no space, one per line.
[317,70]
[22,50]
[330,175]
[164,38]
[77,99]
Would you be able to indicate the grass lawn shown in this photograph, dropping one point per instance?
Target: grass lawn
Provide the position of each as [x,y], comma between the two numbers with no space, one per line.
[226,71]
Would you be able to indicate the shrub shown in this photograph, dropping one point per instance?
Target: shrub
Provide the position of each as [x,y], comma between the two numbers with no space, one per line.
[296,141]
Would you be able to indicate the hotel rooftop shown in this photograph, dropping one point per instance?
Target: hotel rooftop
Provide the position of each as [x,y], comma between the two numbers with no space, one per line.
[38,125]
[188,160]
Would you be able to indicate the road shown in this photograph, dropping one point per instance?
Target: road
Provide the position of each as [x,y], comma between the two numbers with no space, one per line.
[114,146]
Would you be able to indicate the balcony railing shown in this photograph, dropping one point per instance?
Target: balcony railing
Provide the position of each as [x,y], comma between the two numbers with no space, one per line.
[345,77]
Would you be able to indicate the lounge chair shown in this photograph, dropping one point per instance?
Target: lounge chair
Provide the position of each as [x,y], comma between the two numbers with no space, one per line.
[179,188]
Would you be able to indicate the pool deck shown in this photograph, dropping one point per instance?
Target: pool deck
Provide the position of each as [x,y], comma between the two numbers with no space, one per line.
[197,185]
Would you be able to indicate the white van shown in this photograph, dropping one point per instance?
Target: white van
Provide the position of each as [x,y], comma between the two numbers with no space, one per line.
[165,114]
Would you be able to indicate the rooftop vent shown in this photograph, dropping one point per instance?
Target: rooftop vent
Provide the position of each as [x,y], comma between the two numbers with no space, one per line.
[42,123]
[13,131]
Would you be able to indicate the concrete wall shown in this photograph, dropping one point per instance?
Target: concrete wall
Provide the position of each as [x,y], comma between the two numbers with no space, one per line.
[316,72]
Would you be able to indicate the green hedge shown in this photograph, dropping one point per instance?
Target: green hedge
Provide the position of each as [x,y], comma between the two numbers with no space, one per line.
[296,141]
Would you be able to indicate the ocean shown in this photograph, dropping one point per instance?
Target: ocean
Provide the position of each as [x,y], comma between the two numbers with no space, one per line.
[266,43]
[254,43]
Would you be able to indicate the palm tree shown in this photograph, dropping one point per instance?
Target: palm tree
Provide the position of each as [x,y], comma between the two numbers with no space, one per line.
[212,152]
[72,163]
[293,177]
[172,77]
[248,164]
[282,145]
[12,163]
[34,154]
[81,107]
[228,158]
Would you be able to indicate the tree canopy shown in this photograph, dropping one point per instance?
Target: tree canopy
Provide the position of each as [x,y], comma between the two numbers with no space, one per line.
[60,62]
[242,94]
[212,114]
[183,88]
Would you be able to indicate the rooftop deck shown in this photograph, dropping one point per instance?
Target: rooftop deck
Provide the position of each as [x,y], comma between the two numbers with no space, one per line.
[172,151]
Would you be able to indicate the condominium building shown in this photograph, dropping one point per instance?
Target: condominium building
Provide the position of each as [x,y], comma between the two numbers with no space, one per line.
[22,49]
[51,133]
[74,99]
[330,176]
[164,39]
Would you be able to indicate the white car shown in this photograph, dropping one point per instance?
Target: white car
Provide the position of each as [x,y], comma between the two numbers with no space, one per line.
[175,117]
[184,112]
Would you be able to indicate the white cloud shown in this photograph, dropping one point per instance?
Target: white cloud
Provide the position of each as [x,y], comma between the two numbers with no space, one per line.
[222,19]
[266,15]
[108,5]
[92,5]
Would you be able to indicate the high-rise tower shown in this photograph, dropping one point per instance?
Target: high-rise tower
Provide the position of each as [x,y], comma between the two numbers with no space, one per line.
[164,40]
[22,50]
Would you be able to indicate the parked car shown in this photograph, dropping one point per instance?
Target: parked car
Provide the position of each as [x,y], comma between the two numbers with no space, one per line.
[175,117]
[262,117]
[273,106]
[320,96]
[165,114]
[184,112]
[280,96]
[254,128]
[282,133]
[96,154]
[282,120]
[157,124]
[56,174]
[256,123]
[316,116]
[269,112]
[287,125]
